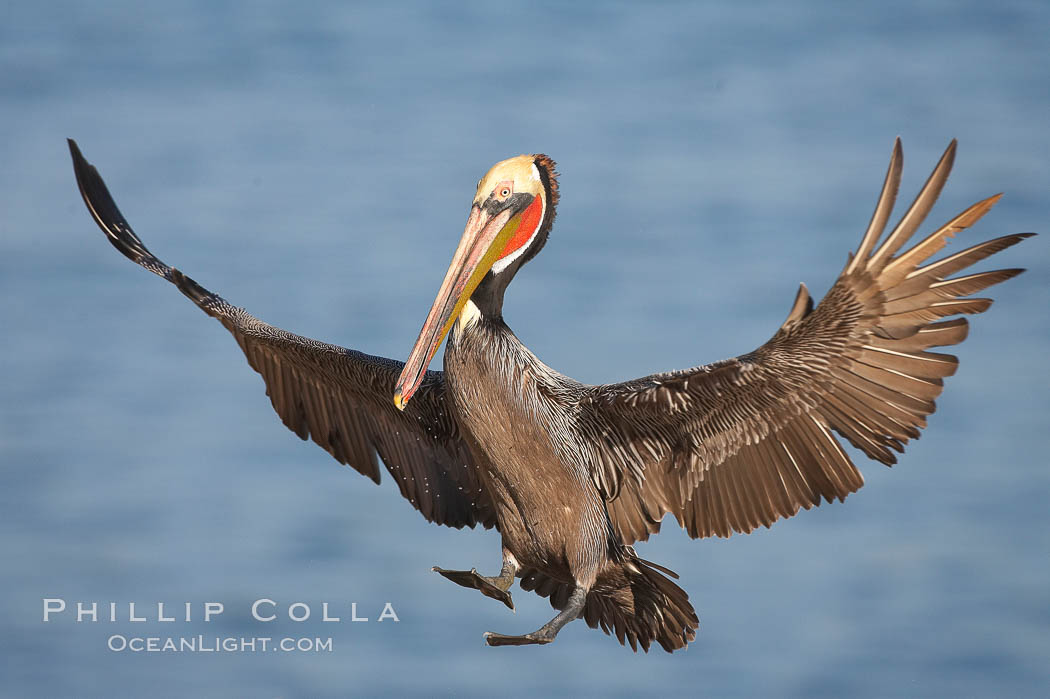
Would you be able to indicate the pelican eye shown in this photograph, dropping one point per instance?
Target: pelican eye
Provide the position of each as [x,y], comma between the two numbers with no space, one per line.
[503,189]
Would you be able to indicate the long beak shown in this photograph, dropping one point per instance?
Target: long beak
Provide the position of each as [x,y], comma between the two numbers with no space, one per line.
[483,240]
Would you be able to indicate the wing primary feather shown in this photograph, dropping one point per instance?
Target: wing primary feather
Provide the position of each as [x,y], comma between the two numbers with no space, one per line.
[883,208]
[916,213]
[933,243]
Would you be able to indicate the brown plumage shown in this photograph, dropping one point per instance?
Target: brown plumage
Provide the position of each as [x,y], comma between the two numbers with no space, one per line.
[571,474]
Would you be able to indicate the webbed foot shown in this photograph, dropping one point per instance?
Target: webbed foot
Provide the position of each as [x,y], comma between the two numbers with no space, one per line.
[546,633]
[496,588]
[498,639]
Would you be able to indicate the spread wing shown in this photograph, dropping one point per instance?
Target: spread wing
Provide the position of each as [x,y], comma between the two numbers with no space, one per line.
[743,442]
[339,398]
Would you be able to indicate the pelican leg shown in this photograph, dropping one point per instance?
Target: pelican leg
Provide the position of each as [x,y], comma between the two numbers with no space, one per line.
[547,632]
[495,587]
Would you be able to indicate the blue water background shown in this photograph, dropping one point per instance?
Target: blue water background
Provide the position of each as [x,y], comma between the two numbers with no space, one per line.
[314,162]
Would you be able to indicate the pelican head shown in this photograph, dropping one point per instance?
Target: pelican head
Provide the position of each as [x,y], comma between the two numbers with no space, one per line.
[509,221]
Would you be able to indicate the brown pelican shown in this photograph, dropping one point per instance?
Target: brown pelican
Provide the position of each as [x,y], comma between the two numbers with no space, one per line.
[573,475]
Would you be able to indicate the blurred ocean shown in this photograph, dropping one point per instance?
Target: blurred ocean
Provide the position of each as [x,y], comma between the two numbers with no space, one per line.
[314,162]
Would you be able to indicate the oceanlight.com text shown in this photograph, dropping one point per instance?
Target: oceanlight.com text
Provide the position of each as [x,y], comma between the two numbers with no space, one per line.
[119,643]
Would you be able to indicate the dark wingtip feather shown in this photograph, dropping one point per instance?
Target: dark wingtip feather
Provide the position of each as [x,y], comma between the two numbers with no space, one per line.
[106,214]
